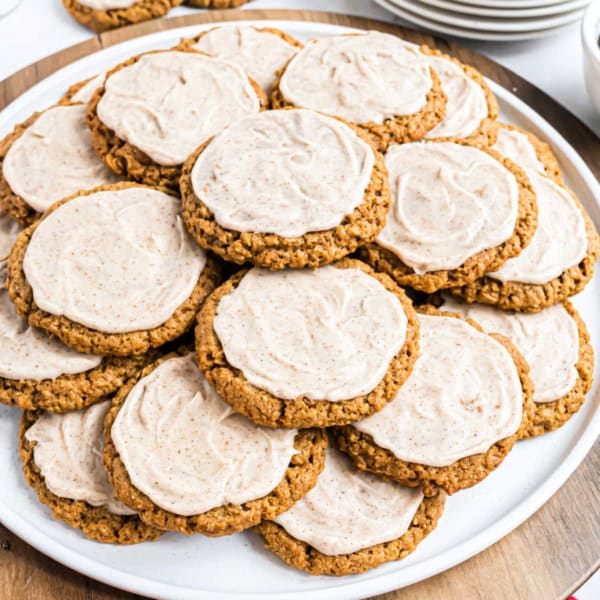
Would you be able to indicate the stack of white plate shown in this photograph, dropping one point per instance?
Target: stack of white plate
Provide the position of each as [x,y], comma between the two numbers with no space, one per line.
[491,20]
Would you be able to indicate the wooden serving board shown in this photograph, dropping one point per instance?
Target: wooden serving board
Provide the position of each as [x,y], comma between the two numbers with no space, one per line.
[547,557]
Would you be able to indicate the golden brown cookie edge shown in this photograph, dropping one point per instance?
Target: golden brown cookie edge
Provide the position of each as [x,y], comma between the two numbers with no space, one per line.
[529,297]
[103,20]
[84,339]
[272,251]
[302,555]
[96,522]
[124,158]
[549,416]
[299,478]
[265,409]
[386,261]
[461,474]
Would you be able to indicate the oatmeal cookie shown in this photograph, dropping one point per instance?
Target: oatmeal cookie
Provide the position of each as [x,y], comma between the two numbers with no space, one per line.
[85,339]
[268,410]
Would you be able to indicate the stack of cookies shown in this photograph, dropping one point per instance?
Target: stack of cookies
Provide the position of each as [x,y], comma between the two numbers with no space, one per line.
[310,290]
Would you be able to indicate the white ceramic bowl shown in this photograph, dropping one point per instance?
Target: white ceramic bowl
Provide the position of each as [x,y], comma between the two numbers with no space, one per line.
[590,33]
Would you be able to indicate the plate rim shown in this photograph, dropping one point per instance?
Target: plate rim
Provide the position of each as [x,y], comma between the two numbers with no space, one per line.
[490,24]
[384,582]
[511,3]
[516,13]
[468,33]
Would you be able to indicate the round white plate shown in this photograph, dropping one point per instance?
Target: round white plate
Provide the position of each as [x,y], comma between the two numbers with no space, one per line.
[489,24]
[195,567]
[510,3]
[509,12]
[467,33]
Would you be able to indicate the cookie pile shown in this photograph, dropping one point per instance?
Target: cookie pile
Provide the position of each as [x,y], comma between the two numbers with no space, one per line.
[307,289]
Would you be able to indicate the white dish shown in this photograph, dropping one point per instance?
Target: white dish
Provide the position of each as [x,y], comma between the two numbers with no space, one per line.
[509,11]
[489,24]
[590,34]
[178,567]
[510,3]
[468,33]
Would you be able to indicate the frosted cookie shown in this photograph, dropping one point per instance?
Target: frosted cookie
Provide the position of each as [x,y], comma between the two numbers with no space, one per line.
[39,372]
[285,188]
[47,158]
[62,462]
[302,348]
[84,90]
[524,149]
[374,80]
[101,15]
[470,103]
[125,279]
[261,51]
[558,262]
[156,108]
[216,3]
[187,462]
[351,522]
[556,345]
[458,211]
[458,415]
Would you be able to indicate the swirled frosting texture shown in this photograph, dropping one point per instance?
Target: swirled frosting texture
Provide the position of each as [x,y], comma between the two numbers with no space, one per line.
[466,105]
[108,4]
[349,510]
[362,78]
[462,397]
[188,451]
[68,452]
[328,334]
[559,242]
[28,353]
[516,146]
[54,158]
[449,202]
[260,53]
[85,92]
[548,340]
[169,103]
[284,171]
[126,265]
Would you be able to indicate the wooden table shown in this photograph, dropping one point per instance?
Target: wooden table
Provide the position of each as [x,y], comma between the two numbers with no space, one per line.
[546,558]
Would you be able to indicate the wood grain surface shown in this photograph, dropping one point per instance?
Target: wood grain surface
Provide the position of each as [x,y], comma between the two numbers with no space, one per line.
[546,558]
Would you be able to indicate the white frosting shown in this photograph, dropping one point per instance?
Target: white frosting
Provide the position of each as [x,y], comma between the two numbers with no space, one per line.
[516,146]
[449,202]
[29,353]
[54,158]
[68,452]
[463,396]
[169,103]
[190,452]
[361,78]
[9,230]
[108,4]
[284,171]
[85,92]
[126,265]
[548,340]
[466,105]
[328,334]
[260,53]
[559,242]
[349,510]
